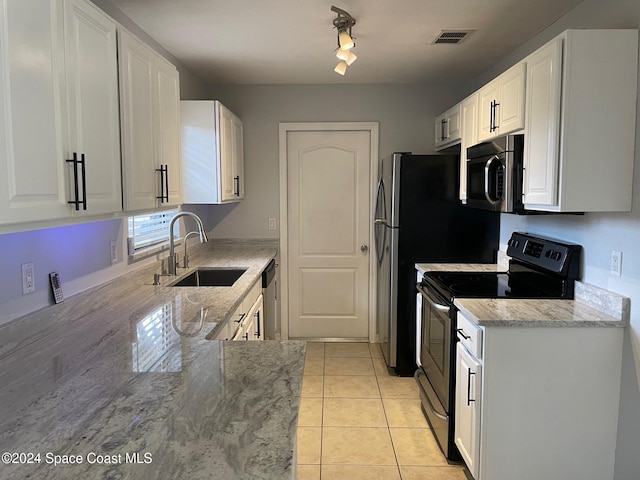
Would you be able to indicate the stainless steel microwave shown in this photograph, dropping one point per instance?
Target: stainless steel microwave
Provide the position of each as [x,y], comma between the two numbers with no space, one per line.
[494,174]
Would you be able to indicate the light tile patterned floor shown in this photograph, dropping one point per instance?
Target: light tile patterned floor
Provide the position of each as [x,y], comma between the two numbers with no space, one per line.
[359,422]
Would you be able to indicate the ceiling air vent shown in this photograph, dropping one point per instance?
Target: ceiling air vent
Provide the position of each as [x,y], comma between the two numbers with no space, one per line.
[452,37]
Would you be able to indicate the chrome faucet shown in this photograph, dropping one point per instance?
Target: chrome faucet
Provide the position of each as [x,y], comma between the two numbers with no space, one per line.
[173,256]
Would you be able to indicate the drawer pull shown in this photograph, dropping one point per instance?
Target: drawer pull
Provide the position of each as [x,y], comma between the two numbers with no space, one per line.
[463,334]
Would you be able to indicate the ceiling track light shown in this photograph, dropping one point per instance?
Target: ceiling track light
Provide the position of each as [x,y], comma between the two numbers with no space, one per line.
[343,23]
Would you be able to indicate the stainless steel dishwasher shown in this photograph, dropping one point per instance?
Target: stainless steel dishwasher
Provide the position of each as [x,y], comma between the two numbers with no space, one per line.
[270,295]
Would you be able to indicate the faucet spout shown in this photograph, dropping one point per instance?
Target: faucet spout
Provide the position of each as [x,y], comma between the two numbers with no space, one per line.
[173,261]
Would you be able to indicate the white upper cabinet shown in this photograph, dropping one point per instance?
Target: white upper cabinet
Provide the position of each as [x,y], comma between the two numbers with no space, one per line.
[501,104]
[59,101]
[447,128]
[212,153]
[581,122]
[32,167]
[168,127]
[92,109]
[469,134]
[149,99]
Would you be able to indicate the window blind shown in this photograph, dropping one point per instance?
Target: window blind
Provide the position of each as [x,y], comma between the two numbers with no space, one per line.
[150,230]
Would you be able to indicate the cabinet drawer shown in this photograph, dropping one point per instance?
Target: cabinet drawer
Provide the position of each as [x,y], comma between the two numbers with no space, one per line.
[470,335]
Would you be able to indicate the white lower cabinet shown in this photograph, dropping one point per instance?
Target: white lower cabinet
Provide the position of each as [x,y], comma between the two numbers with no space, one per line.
[538,402]
[246,323]
[467,410]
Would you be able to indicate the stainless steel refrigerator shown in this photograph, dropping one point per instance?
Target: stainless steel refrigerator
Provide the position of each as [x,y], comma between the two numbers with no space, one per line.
[419,219]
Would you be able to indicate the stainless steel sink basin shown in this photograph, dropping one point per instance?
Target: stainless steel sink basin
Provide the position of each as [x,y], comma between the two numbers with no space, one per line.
[211,277]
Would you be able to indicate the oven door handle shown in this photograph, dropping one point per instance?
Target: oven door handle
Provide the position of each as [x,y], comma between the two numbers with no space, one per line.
[487,166]
[425,294]
[426,396]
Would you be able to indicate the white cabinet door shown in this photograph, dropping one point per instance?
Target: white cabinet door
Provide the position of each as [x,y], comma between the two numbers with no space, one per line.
[168,129]
[140,179]
[469,131]
[32,166]
[510,111]
[487,97]
[543,111]
[501,104]
[149,98]
[212,153]
[581,122]
[468,408]
[238,156]
[447,127]
[231,155]
[93,116]
[257,314]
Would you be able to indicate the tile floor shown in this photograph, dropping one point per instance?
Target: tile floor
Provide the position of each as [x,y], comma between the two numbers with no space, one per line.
[358,422]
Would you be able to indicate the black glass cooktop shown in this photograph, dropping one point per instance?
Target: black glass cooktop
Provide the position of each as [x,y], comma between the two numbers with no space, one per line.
[494,285]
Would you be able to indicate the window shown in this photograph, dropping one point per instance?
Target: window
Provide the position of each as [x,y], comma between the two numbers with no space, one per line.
[149,233]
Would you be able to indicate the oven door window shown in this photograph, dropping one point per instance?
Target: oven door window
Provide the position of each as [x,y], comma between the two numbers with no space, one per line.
[435,336]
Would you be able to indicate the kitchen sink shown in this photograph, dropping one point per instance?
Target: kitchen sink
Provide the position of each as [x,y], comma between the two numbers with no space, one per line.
[211,277]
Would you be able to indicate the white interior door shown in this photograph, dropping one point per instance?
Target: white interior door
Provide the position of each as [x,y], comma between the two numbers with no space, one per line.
[328,231]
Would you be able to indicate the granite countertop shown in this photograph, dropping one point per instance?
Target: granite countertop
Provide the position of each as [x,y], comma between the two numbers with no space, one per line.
[591,306]
[123,379]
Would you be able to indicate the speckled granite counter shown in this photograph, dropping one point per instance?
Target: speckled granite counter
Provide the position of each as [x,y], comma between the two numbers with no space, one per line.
[592,306]
[123,379]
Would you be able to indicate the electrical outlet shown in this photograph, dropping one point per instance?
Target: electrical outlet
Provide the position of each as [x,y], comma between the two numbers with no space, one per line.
[272,224]
[28,278]
[114,252]
[616,263]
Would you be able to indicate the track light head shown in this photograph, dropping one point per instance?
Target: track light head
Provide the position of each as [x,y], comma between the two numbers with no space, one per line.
[343,23]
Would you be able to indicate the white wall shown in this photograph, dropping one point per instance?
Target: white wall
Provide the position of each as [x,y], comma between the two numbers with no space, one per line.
[405,114]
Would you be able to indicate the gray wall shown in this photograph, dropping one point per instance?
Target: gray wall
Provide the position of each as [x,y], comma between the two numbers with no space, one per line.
[405,114]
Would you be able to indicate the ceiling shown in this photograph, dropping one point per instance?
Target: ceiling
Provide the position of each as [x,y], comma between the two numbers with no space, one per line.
[293,41]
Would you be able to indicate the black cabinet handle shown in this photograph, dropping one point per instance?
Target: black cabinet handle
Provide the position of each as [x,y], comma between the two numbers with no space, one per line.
[236,189]
[164,183]
[492,120]
[76,187]
[469,399]
[443,123]
[491,116]
[257,314]
[463,334]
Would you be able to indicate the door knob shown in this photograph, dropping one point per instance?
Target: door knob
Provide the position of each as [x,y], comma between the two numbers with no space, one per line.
[364,248]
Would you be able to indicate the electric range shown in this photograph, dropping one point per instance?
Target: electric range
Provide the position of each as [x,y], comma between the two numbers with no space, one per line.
[538,268]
